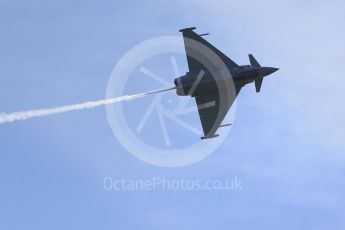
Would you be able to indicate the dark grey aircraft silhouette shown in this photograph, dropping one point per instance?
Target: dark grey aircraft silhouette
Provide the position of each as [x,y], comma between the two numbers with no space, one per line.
[208,90]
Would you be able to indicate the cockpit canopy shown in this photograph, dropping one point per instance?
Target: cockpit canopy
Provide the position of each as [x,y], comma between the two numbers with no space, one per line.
[244,66]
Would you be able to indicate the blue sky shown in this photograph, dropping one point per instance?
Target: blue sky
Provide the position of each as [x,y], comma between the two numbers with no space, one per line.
[286,144]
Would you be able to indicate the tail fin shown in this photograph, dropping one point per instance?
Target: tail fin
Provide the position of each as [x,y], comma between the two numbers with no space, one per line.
[258,81]
[253,61]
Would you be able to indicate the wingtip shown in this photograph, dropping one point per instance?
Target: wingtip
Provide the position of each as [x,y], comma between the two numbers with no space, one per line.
[209,137]
[187,29]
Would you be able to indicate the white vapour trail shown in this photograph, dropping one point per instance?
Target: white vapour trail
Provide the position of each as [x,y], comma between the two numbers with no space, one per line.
[24,115]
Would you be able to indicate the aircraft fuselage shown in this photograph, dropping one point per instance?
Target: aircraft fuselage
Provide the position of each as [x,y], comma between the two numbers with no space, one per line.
[202,82]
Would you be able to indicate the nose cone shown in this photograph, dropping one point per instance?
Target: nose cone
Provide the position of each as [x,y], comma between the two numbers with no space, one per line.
[265,71]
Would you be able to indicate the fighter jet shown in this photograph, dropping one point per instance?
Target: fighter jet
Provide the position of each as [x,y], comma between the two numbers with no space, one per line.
[213,87]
